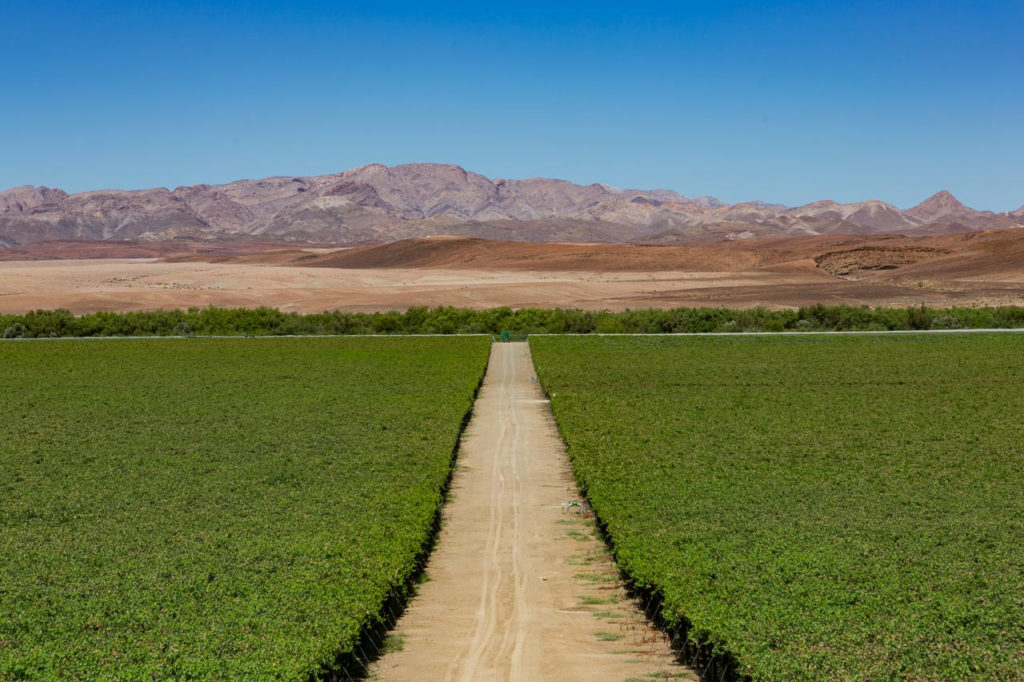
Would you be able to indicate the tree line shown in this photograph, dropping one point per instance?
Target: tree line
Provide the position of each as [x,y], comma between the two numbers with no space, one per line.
[266,321]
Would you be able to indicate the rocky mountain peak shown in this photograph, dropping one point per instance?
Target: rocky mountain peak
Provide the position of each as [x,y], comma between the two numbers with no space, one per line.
[27,197]
[939,205]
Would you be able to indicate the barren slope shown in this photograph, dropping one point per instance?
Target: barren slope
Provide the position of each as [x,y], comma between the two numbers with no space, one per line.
[480,254]
[78,249]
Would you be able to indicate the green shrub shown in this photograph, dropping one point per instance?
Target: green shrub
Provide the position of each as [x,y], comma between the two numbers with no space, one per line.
[946,322]
[16,331]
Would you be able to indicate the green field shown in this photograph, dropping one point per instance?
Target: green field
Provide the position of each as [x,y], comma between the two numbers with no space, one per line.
[231,509]
[822,508]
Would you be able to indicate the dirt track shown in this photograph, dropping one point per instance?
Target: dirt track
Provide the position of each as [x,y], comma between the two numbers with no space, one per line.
[518,589]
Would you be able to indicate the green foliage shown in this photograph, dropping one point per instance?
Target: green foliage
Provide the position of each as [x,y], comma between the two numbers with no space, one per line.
[216,509]
[946,322]
[919,318]
[448,320]
[16,330]
[824,508]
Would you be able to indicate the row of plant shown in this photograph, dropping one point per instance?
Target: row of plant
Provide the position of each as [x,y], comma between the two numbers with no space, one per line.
[448,320]
[216,509]
[811,507]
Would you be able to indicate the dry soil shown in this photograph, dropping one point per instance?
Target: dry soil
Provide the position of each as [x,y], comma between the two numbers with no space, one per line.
[519,589]
[985,268]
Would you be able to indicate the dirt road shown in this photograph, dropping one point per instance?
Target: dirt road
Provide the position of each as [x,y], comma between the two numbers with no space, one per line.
[519,589]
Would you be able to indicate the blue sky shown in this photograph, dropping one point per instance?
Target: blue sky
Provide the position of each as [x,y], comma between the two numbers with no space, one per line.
[788,102]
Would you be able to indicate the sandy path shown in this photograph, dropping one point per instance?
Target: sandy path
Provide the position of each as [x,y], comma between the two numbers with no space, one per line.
[517,589]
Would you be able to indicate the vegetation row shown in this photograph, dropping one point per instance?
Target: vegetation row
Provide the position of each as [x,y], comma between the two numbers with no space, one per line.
[216,509]
[811,507]
[448,320]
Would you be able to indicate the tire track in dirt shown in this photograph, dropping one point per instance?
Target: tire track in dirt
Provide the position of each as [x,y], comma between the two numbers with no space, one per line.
[481,640]
[517,589]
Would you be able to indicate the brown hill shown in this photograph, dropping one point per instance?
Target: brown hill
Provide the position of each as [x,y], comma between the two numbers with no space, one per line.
[874,257]
[987,255]
[460,253]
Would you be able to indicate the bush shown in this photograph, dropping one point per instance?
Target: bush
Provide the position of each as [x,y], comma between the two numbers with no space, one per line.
[730,327]
[919,318]
[946,322]
[16,331]
[609,324]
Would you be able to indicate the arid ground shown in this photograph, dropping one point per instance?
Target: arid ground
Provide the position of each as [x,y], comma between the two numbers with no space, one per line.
[980,268]
[519,586]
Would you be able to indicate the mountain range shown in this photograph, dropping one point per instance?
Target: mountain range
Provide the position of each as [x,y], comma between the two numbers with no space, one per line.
[377,203]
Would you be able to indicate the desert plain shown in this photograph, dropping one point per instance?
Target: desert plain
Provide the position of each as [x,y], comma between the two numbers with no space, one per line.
[968,269]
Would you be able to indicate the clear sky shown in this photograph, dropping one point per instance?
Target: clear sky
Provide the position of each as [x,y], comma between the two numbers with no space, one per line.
[788,102]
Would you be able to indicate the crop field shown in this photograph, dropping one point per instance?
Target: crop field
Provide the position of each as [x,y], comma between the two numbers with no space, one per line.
[841,508]
[230,509]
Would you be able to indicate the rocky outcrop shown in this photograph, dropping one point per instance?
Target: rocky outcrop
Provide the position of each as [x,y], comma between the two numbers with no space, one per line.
[850,263]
